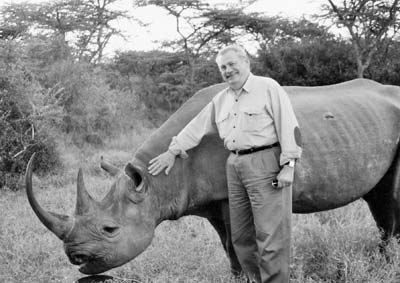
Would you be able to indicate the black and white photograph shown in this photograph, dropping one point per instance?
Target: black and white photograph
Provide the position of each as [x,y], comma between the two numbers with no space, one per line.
[199,141]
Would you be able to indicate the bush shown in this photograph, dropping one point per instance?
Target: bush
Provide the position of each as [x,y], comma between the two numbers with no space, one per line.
[313,62]
[385,66]
[162,81]
[18,142]
[88,104]
[21,133]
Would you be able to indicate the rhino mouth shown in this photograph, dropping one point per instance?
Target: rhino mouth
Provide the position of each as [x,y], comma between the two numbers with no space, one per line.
[88,264]
[80,258]
[94,266]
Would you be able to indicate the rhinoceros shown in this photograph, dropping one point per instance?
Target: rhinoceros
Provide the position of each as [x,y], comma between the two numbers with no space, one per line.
[351,150]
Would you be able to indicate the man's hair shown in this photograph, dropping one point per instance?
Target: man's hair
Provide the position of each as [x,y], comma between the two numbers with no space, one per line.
[235,48]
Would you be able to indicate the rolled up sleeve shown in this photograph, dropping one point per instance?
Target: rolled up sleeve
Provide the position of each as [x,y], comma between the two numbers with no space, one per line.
[194,131]
[286,124]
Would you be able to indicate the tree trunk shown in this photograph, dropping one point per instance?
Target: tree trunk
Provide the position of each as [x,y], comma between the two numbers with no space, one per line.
[360,70]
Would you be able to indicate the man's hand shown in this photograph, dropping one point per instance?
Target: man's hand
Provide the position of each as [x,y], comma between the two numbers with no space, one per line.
[285,177]
[164,160]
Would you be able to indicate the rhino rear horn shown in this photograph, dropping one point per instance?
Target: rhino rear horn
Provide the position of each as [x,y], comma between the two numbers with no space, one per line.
[111,169]
[60,225]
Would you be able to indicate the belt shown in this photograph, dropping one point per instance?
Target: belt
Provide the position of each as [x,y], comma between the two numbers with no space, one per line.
[254,149]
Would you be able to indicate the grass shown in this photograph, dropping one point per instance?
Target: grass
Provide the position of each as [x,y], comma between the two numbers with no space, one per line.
[334,246]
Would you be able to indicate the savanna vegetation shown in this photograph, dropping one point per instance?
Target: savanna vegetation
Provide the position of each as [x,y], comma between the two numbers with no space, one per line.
[60,97]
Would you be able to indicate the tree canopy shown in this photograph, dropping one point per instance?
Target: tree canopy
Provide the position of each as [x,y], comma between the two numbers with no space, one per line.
[370,23]
[81,28]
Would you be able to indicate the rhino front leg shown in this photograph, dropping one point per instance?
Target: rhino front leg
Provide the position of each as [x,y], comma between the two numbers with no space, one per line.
[219,219]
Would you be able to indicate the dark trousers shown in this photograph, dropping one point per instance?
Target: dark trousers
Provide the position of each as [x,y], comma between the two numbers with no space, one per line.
[260,216]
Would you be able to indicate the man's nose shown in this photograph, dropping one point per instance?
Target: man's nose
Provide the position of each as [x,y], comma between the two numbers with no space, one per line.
[228,70]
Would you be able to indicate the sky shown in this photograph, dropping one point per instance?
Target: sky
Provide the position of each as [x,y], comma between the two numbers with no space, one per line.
[163,27]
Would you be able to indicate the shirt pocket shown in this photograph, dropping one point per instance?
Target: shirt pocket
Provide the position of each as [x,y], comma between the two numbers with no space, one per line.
[254,120]
[222,122]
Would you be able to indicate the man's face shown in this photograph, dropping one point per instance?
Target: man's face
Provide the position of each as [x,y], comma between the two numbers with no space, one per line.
[234,69]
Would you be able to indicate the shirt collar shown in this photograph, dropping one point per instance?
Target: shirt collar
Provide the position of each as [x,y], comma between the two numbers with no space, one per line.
[247,87]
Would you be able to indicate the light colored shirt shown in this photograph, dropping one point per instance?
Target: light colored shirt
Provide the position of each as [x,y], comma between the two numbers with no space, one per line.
[260,114]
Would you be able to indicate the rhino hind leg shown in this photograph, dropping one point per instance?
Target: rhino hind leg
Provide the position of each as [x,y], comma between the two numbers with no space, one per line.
[219,219]
[384,202]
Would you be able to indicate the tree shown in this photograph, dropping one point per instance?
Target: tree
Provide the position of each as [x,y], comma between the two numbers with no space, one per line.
[95,30]
[189,24]
[81,27]
[260,30]
[199,37]
[370,23]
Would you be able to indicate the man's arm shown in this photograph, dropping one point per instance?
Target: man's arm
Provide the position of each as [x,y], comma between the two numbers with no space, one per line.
[287,130]
[189,137]
[286,125]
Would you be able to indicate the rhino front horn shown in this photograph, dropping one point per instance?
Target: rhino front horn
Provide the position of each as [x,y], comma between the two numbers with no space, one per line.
[60,225]
[84,202]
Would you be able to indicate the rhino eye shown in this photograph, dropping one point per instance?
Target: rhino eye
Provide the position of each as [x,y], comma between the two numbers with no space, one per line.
[110,230]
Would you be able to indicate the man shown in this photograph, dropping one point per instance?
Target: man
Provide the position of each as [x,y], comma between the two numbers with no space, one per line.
[255,119]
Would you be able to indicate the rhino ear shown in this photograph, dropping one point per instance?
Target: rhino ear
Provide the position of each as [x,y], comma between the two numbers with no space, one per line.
[137,176]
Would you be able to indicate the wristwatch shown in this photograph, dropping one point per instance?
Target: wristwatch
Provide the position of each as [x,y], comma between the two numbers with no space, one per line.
[290,163]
